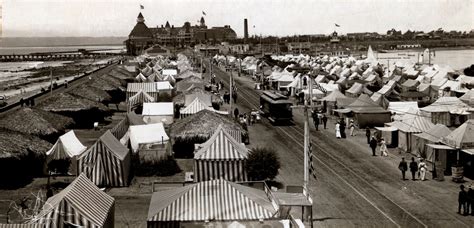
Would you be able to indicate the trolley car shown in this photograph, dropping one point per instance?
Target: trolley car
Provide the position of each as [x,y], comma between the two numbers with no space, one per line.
[276,107]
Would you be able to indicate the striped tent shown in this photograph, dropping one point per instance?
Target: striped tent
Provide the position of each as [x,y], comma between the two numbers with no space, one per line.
[220,157]
[81,203]
[215,200]
[121,128]
[138,99]
[148,87]
[21,225]
[107,162]
[196,106]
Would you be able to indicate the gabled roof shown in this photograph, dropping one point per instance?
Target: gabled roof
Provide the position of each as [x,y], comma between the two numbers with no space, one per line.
[413,122]
[462,137]
[435,133]
[67,146]
[332,97]
[221,146]
[445,104]
[364,104]
[468,97]
[85,197]
[356,88]
[111,143]
[218,200]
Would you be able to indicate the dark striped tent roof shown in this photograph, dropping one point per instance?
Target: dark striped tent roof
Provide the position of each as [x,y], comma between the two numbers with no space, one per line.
[221,146]
[215,200]
[82,203]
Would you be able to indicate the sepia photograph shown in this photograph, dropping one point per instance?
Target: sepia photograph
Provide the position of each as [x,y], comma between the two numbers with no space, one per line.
[236,113]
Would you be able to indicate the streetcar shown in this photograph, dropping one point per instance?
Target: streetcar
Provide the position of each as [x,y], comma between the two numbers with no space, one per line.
[276,107]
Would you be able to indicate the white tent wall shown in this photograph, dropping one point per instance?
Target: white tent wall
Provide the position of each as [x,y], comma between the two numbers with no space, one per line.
[403,140]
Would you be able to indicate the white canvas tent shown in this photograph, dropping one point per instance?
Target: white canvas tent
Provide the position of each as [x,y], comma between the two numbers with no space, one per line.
[159,112]
[147,134]
[67,147]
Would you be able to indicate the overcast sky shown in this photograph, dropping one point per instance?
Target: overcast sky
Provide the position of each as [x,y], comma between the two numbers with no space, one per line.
[270,17]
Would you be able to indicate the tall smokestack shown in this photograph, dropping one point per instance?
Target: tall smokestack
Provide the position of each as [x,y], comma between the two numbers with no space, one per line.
[246,29]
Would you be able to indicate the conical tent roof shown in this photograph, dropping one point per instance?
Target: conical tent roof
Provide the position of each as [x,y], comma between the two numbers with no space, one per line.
[462,137]
[221,146]
[435,133]
[332,97]
[364,104]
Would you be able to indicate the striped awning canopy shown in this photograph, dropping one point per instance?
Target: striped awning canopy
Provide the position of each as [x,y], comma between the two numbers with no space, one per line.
[80,203]
[215,200]
[21,225]
[148,87]
[138,99]
[221,146]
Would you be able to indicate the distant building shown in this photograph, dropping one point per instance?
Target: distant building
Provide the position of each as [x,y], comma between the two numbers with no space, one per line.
[139,38]
[334,38]
[168,34]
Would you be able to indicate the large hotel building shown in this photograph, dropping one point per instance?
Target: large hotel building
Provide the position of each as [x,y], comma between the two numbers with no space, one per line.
[142,36]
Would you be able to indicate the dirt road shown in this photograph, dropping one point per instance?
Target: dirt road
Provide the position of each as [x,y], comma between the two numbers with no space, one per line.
[353,189]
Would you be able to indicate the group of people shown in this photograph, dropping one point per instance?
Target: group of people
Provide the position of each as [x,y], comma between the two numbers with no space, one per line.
[318,118]
[466,200]
[341,128]
[27,102]
[415,167]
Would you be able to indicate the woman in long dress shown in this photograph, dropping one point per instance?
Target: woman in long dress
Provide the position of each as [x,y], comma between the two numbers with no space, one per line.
[338,130]
[383,148]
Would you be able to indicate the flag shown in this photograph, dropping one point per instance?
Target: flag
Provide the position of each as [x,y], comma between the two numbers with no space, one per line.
[318,86]
[312,171]
[203,13]
[337,25]
[142,7]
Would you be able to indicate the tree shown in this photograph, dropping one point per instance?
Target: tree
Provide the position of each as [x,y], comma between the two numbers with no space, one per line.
[262,164]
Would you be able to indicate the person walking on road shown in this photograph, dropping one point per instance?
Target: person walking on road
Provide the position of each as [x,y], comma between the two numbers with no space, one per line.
[422,169]
[367,134]
[234,96]
[403,166]
[462,200]
[373,145]
[470,200]
[342,125]
[315,120]
[325,120]
[352,127]
[383,148]
[413,168]
[21,102]
[338,131]
[236,113]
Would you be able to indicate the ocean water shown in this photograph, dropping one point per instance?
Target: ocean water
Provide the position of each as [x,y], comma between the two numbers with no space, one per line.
[457,59]
[28,50]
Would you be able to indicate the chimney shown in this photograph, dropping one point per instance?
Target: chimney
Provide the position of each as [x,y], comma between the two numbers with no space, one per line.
[246,29]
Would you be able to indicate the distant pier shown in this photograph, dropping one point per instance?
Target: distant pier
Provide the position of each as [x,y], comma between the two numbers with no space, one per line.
[54,56]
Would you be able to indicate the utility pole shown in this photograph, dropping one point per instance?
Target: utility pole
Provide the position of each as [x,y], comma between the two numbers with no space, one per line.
[51,81]
[306,133]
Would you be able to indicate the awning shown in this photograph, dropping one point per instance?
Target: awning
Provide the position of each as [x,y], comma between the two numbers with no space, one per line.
[386,128]
[469,151]
[343,110]
[440,147]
